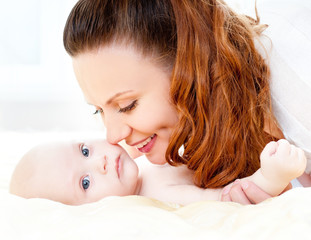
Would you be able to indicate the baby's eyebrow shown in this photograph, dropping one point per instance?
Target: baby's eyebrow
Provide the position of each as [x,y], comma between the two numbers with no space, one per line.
[76,186]
[75,179]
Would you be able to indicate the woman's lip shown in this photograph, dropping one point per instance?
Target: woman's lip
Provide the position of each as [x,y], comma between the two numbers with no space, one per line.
[134,144]
[147,148]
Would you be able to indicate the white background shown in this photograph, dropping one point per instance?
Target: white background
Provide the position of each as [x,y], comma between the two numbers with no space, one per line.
[38,91]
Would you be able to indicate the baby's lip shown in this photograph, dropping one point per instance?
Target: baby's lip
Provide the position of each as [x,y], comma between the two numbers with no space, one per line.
[117,166]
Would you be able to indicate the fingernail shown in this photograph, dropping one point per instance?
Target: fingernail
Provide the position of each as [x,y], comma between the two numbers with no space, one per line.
[244,185]
[236,181]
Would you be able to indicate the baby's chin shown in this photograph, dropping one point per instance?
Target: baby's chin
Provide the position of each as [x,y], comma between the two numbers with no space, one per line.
[135,189]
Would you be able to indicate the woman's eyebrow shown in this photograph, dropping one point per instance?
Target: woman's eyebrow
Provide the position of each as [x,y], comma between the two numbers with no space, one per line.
[117,95]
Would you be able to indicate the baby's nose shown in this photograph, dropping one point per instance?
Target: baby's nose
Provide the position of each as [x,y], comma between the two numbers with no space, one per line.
[102,165]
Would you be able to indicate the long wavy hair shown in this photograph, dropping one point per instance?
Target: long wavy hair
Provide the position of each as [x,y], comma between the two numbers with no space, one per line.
[219,81]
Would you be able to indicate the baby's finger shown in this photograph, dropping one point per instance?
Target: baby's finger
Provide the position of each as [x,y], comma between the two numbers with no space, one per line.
[284,147]
[269,149]
[302,158]
[294,152]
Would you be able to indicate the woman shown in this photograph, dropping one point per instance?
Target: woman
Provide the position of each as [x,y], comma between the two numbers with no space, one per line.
[166,75]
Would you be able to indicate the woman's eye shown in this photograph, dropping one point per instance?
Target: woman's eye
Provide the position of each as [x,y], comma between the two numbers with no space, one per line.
[98,111]
[94,109]
[129,107]
[86,182]
[85,151]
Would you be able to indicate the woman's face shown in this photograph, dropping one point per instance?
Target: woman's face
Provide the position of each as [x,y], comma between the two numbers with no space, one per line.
[132,95]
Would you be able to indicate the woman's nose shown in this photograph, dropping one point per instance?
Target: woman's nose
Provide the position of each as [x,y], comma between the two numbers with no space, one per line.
[117,131]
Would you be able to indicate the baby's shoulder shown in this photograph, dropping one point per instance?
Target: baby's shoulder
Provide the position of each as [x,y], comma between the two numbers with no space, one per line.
[164,174]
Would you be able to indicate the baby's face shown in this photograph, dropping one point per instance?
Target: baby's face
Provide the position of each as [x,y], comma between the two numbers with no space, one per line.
[77,173]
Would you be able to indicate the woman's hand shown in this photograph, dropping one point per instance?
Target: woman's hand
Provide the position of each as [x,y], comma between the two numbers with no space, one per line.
[245,192]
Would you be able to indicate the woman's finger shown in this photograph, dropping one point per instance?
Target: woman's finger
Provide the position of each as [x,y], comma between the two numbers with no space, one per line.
[253,193]
[225,196]
[237,195]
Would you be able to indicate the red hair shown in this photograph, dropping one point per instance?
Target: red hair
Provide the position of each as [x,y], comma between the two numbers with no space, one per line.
[219,80]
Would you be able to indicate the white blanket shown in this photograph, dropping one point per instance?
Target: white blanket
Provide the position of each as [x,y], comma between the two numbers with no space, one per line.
[285,217]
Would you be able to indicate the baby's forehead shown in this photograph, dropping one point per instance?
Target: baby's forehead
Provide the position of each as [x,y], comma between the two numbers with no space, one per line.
[51,147]
[49,152]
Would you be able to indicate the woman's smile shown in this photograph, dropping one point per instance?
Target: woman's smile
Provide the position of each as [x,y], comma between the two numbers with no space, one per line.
[147,145]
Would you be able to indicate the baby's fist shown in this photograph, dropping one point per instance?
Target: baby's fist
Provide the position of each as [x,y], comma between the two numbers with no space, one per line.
[282,160]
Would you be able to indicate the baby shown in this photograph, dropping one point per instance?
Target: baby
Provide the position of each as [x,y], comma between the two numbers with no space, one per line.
[75,173]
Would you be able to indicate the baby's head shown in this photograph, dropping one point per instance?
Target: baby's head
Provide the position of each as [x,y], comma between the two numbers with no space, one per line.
[75,172]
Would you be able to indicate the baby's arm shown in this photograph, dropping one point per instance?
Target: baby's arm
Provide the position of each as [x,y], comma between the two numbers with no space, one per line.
[186,194]
[280,162]
[172,184]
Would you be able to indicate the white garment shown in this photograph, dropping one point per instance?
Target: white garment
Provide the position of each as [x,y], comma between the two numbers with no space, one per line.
[288,45]
[295,183]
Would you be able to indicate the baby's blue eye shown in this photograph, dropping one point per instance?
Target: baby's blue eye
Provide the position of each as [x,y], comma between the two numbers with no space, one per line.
[85,151]
[86,182]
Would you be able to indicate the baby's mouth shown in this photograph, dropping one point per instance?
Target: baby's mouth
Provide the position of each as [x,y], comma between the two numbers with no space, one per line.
[118,166]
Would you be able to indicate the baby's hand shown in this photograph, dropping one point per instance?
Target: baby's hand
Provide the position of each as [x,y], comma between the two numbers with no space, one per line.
[282,161]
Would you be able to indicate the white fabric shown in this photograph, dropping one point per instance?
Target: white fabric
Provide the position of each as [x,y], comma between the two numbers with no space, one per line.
[134,217]
[295,183]
[288,44]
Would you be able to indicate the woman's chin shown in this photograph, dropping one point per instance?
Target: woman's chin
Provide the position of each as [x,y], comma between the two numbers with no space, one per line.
[156,159]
